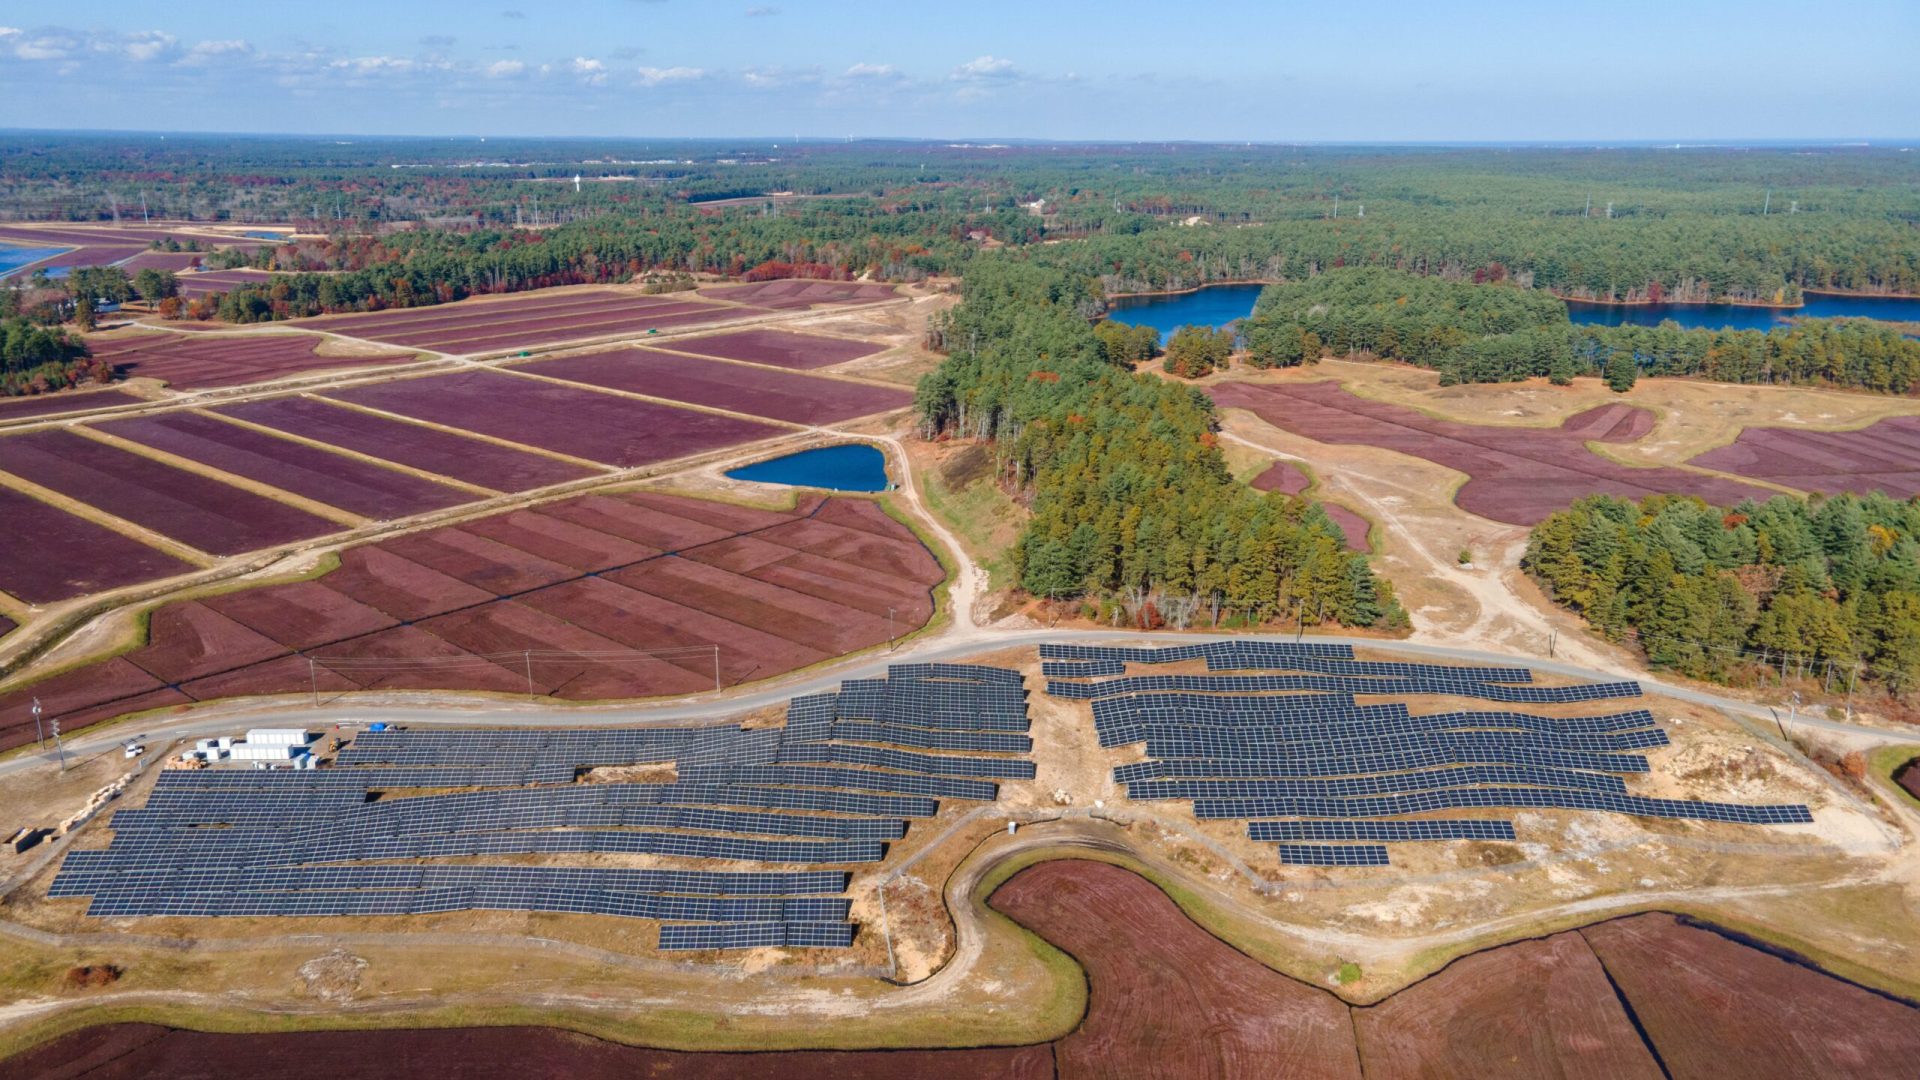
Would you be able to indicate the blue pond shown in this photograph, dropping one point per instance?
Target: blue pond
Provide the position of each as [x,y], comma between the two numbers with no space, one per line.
[846,467]
[1218,305]
[1215,306]
[1716,316]
[260,234]
[13,258]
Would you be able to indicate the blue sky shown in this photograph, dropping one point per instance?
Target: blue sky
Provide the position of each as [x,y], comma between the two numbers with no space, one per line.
[1354,71]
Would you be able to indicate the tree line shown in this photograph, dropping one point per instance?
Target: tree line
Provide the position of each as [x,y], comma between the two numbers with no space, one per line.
[1824,589]
[1132,506]
[1499,333]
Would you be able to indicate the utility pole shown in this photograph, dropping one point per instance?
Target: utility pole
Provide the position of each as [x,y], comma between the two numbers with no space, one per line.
[528,657]
[313,679]
[40,733]
[889,629]
[716,669]
[1767,205]
[57,747]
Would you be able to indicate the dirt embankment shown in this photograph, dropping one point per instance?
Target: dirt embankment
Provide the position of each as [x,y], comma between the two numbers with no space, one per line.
[1624,998]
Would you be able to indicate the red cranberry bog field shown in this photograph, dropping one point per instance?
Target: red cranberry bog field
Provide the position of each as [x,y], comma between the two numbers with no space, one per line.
[1288,479]
[201,361]
[570,597]
[351,484]
[793,294]
[443,453]
[1516,475]
[70,401]
[192,509]
[48,555]
[777,395]
[208,282]
[504,323]
[777,348]
[609,428]
[1884,456]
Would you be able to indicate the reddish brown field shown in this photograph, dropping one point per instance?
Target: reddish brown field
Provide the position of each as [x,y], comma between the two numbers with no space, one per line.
[205,282]
[1289,479]
[793,293]
[603,574]
[1615,423]
[1282,476]
[144,1050]
[581,423]
[349,484]
[778,395]
[199,361]
[193,509]
[1881,457]
[428,449]
[93,558]
[1533,1008]
[1166,999]
[1909,777]
[176,261]
[72,401]
[499,324]
[1717,1008]
[778,348]
[1517,475]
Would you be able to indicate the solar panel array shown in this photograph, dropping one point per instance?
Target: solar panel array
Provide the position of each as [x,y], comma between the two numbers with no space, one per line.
[831,788]
[1291,744]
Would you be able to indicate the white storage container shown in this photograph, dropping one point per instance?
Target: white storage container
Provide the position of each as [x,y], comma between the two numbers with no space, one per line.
[277,737]
[248,751]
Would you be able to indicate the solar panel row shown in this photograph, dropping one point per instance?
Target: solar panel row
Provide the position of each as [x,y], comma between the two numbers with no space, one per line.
[1430,829]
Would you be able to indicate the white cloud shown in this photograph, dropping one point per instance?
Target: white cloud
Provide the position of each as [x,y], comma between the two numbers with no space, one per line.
[145,45]
[207,52]
[872,71]
[653,76]
[985,67]
[591,71]
[762,12]
[505,69]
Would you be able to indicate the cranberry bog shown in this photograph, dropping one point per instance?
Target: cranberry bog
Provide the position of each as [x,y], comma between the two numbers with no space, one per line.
[91,557]
[1884,456]
[793,294]
[70,401]
[200,361]
[1641,996]
[351,484]
[208,282]
[777,395]
[443,453]
[1515,475]
[196,510]
[777,348]
[572,598]
[587,424]
[1289,479]
[500,324]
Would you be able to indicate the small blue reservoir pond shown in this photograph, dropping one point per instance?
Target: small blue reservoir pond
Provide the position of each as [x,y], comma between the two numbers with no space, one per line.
[1218,305]
[13,258]
[1215,306]
[846,467]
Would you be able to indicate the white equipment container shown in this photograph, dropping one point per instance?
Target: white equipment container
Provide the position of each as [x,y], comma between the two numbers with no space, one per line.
[277,737]
[248,751]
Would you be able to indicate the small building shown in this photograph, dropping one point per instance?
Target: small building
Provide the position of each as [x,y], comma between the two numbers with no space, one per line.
[277,737]
[252,751]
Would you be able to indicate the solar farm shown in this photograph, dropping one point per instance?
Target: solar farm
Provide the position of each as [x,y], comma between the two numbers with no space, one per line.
[748,840]
[1291,752]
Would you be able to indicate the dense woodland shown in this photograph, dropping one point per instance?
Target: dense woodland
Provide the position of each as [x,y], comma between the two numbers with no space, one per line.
[1826,590]
[35,359]
[1132,505]
[405,222]
[1501,333]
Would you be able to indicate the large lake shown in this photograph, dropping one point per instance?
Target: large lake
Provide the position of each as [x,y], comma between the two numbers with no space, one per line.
[1218,305]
